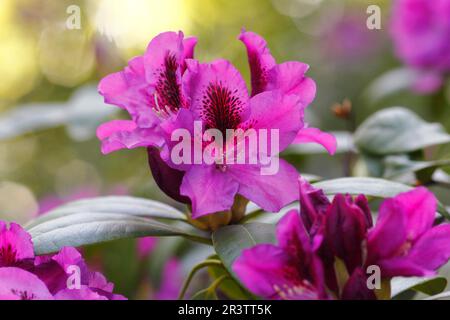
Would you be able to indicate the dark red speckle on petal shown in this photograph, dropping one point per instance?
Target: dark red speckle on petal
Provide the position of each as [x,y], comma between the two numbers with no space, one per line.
[23,295]
[7,255]
[221,108]
[168,88]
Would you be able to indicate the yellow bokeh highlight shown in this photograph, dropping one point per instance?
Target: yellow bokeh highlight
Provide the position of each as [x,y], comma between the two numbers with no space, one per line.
[18,66]
[132,24]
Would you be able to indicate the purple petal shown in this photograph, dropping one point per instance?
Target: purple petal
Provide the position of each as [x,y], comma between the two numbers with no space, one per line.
[164,60]
[356,287]
[420,207]
[432,250]
[313,135]
[361,202]
[291,234]
[259,59]
[313,204]
[262,278]
[168,179]
[18,284]
[402,266]
[120,134]
[346,230]
[84,293]
[15,245]
[218,94]
[389,234]
[273,110]
[270,192]
[209,189]
[289,77]
[188,50]
[128,90]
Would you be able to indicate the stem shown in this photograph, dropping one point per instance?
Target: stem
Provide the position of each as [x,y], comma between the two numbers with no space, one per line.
[213,287]
[201,265]
[252,215]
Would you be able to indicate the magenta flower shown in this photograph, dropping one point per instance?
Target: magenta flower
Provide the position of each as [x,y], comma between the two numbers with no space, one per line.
[24,276]
[404,242]
[421,34]
[290,270]
[149,89]
[165,91]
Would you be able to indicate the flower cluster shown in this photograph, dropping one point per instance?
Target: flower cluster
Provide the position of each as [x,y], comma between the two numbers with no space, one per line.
[167,90]
[421,34]
[329,250]
[25,276]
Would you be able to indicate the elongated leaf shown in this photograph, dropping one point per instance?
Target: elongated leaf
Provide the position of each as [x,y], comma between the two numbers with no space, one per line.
[441,296]
[229,241]
[430,285]
[374,187]
[85,228]
[113,204]
[81,115]
[398,165]
[398,130]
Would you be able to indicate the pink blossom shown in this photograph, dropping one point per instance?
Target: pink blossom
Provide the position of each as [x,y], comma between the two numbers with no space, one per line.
[26,276]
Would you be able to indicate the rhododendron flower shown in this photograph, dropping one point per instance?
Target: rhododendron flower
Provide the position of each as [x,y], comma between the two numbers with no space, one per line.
[24,276]
[290,270]
[165,91]
[402,243]
[421,34]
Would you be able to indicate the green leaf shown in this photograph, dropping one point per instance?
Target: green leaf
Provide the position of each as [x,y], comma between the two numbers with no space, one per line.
[373,187]
[441,296]
[229,241]
[113,204]
[398,165]
[427,285]
[83,228]
[390,83]
[398,130]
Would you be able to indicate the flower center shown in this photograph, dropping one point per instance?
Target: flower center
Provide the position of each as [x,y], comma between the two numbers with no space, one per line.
[221,108]
[168,90]
[7,255]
